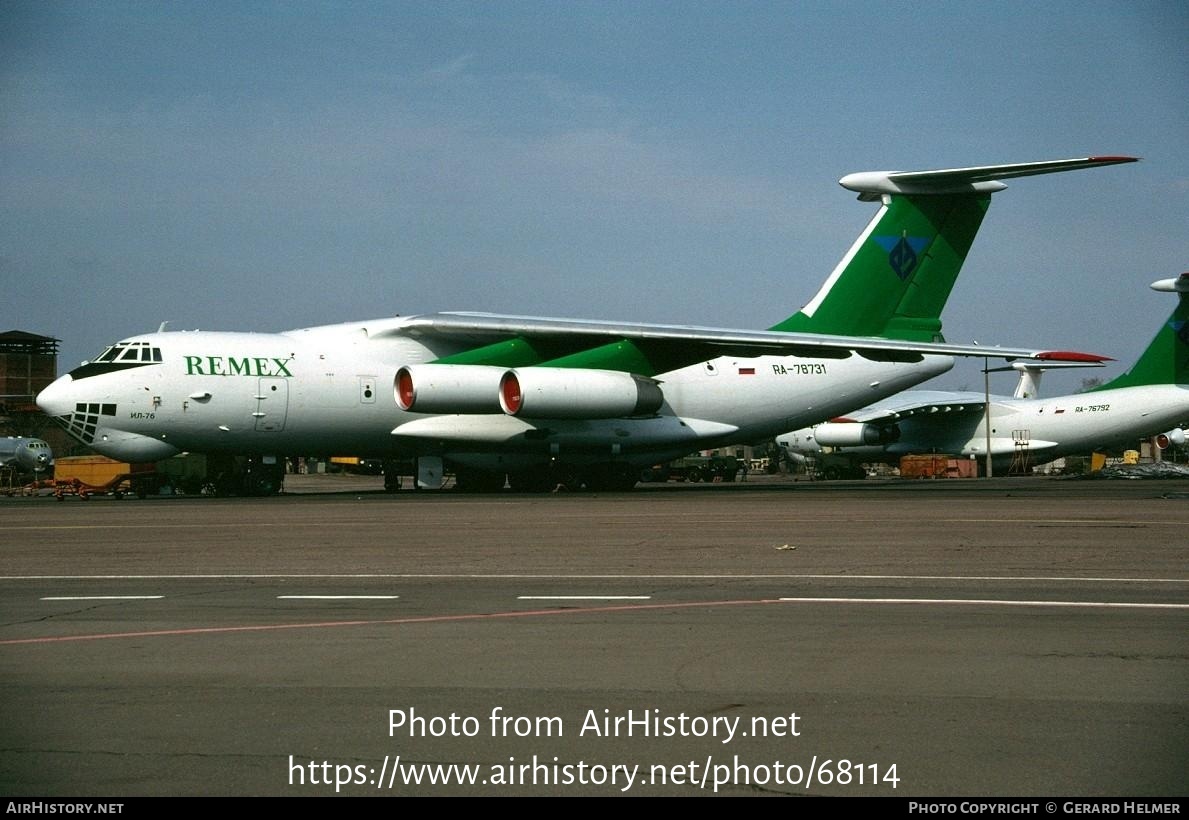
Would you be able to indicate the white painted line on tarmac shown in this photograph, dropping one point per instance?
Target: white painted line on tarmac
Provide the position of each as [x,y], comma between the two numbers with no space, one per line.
[337,597]
[601,576]
[584,597]
[102,597]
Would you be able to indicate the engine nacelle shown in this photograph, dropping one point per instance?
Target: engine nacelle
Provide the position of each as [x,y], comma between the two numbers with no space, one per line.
[448,388]
[564,393]
[1174,436]
[854,434]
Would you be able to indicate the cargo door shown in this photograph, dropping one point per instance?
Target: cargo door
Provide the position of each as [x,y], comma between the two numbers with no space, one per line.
[272,404]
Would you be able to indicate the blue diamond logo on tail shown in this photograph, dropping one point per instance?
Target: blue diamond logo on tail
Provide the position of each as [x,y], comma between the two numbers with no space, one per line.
[1182,330]
[903,252]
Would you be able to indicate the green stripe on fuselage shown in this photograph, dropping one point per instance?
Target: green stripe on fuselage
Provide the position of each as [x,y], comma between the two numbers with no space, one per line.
[518,352]
[643,357]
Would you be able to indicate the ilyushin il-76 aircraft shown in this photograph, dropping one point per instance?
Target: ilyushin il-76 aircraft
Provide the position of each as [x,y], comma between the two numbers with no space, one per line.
[26,455]
[1151,398]
[533,401]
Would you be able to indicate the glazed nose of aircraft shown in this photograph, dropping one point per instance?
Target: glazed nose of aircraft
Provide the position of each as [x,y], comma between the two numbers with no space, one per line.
[57,399]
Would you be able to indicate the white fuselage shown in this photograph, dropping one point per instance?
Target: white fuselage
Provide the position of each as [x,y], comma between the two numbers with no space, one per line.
[1077,423]
[1043,429]
[329,391]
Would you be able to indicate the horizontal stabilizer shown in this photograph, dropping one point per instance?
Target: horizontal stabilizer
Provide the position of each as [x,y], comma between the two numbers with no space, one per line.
[980,179]
[1042,366]
[1178,285]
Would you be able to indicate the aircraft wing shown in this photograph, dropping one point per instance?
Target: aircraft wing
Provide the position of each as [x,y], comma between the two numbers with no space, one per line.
[701,342]
[919,403]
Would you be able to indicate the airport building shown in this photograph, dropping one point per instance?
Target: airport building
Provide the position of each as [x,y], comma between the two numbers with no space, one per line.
[28,363]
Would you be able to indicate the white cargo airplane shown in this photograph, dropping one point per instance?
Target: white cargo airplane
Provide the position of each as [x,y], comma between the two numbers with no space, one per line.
[1149,399]
[538,400]
[26,455]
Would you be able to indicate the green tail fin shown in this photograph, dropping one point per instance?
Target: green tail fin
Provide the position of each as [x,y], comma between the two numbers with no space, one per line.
[1166,359]
[893,282]
[896,278]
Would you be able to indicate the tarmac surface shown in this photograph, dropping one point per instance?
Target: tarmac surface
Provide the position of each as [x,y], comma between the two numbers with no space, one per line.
[1011,637]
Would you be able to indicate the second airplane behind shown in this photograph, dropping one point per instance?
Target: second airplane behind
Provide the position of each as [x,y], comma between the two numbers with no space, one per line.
[1150,398]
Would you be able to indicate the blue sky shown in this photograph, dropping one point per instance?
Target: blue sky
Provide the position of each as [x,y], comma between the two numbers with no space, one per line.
[264,166]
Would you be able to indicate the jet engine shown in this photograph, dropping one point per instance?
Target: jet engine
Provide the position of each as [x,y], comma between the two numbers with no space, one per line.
[854,434]
[448,388]
[1174,436]
[564,393]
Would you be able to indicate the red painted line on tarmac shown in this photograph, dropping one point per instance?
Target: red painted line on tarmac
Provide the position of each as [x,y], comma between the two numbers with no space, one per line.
[536,613]
[426,619]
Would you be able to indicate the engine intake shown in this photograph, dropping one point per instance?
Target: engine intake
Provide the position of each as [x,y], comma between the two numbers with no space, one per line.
[448,388]
[1174,436]
[563,393]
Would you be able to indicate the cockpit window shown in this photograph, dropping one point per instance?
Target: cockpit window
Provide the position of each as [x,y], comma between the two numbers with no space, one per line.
[130,352]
